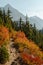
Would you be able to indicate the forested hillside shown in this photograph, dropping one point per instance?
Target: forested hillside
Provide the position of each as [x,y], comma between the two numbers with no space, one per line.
[22,37]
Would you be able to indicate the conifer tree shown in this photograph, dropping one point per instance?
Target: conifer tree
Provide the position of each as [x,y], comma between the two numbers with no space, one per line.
[20,22]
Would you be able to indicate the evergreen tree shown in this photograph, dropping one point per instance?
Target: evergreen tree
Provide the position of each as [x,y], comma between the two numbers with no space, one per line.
[1,16]
[4,17]
[27,20]
[16,27]
[9,19]
[9,13]
[20,22]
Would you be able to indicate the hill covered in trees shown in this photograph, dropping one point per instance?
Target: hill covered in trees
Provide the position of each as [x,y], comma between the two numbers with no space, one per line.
[25,38]
[16,14]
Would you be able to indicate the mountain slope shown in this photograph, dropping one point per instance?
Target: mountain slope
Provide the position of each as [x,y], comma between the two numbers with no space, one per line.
[37,21]
[16,17]
[28,50]
[14,13]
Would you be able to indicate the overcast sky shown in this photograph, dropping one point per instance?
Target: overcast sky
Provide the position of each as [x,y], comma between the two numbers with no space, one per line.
[29,7]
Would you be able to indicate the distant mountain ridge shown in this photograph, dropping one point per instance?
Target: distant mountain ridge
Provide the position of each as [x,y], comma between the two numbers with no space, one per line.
[14,13]
[38,22]
[16,16]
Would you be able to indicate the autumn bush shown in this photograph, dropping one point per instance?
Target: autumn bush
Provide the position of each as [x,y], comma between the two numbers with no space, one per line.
[4,35]
[23,43]
[12,33]
[31,59]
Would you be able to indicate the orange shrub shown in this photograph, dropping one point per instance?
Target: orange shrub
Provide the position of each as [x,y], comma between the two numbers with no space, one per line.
[20,34]
[21,39]
[4,34]
[13,34]
[31,59]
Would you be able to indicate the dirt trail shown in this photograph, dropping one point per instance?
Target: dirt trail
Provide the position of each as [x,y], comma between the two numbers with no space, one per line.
[12,53]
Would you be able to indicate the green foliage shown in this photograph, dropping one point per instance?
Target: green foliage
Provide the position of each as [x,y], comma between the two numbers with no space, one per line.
[1,21]
[1,15]
[5,18]
[4,55]
[20,22]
